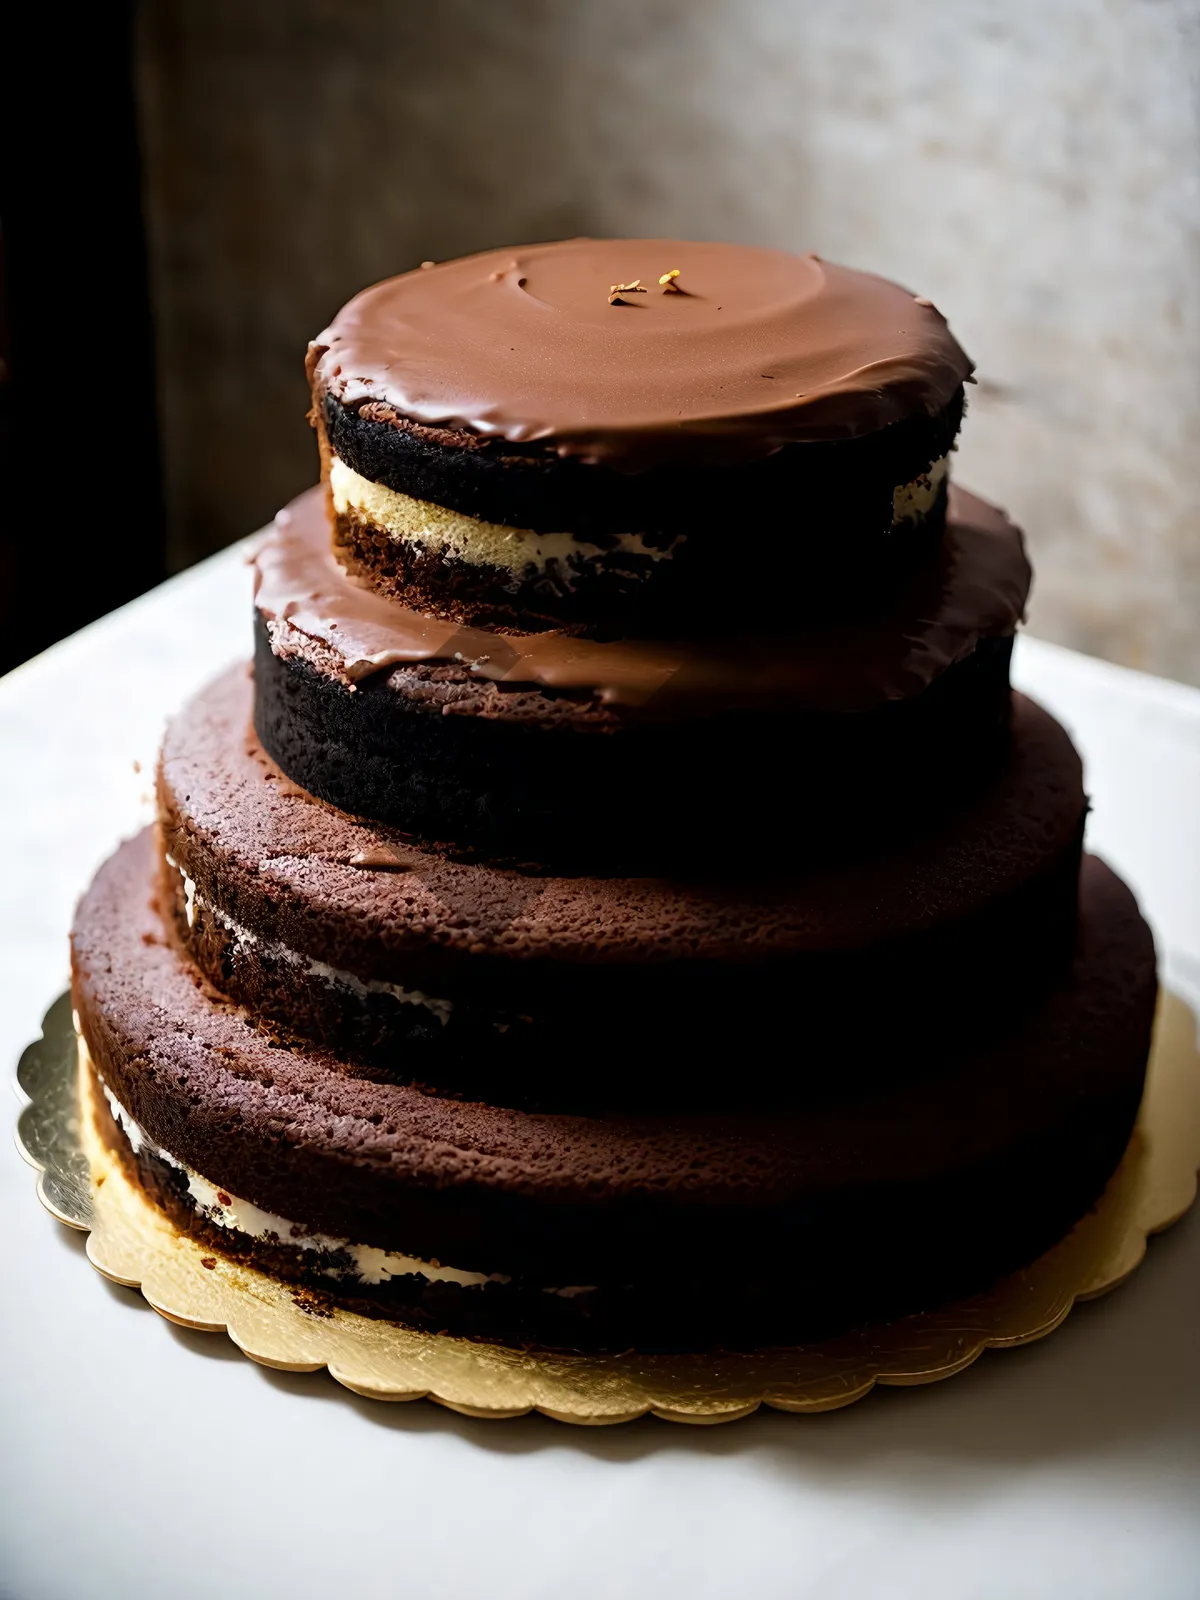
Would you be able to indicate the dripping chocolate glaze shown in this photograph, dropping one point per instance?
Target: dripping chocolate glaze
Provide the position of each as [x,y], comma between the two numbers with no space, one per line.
[976,589]
[762,349]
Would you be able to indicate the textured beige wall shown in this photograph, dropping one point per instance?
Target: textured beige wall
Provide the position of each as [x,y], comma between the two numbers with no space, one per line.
[1034,166]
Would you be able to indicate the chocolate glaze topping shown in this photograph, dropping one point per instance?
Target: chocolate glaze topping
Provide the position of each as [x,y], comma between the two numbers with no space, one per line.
[977,589]
[752,350]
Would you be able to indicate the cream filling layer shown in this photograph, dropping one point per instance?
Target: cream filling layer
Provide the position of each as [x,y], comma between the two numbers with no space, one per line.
[244,939]
[367,1263]
[912,502]
[458,537]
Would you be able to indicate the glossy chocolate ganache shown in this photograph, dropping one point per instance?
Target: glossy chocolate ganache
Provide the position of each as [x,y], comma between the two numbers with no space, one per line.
[624,905]
[507,441]
[747,350]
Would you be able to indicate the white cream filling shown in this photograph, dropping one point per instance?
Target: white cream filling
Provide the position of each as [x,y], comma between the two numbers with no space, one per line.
[189,890]
[462,538]
[912,502]
[244,938]
[517,550]
[369,1264]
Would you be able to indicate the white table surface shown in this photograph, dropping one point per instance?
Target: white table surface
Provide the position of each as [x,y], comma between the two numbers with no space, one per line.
[139,1459]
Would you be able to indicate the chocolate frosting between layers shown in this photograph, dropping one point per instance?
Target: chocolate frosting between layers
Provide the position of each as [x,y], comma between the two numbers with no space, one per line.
[977,589]
[752,350]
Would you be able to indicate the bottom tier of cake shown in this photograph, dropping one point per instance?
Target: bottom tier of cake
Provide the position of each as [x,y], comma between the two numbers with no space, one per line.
[666,1231]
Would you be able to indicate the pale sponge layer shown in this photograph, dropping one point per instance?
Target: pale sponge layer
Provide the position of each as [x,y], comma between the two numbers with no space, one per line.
[518,550]
[468,539]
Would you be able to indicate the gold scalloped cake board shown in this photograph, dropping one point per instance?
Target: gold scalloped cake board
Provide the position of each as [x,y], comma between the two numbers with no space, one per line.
[83,1185]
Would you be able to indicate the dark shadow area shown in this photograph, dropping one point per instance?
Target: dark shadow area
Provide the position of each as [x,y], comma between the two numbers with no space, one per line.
[82,527]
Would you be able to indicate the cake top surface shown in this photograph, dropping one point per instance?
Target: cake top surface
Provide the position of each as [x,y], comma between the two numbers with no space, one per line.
[744,351]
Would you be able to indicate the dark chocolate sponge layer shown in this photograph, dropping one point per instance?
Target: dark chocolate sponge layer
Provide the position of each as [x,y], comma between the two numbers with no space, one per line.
[514,772]
[832,497]
[807,532]
[694,1228]
[638,982]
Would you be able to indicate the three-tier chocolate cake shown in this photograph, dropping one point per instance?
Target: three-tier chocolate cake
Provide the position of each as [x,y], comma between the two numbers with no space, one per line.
[624,905]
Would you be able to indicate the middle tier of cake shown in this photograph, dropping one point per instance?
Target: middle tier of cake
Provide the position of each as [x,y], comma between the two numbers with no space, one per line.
[640,755]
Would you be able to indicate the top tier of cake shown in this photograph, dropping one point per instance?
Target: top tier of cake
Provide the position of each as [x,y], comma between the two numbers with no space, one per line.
[617,435]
